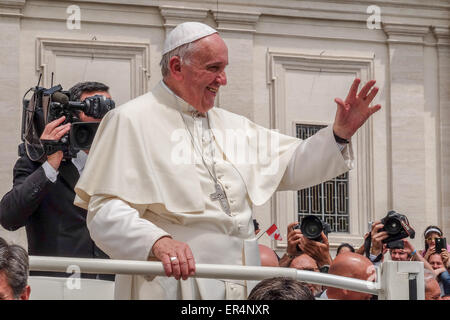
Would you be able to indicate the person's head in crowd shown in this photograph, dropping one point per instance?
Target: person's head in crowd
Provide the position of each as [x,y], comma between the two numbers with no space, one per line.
[399,255]
[435,260]
[306,263]
[280,288]
[345,247]
[13,272]
[268,256]
[351,265]
[256,226]
[432,289]
[430,234]
[83,90]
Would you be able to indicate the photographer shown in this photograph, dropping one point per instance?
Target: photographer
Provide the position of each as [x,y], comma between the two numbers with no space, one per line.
[431,234]
[298,244]
[43,193]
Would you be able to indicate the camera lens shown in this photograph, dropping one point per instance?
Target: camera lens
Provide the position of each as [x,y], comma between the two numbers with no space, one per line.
[393,226]
[82,134]
[311,227]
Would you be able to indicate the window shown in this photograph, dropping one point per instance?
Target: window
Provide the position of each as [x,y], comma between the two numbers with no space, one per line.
[329,200]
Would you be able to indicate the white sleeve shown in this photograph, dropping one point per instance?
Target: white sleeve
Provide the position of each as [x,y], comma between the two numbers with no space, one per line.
[119,231]
[317,159]
[50,172]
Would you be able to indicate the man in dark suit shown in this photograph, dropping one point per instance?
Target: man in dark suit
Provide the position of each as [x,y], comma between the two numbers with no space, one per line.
[43,192]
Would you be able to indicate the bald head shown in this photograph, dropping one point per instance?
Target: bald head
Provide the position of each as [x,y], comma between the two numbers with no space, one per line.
[304,262]
[268,256]
[351,265]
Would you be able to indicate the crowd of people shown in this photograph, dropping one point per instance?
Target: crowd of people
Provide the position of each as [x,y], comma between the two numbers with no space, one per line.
[309,255]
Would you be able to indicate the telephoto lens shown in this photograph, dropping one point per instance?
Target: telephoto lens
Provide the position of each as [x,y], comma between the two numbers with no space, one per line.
[312,227]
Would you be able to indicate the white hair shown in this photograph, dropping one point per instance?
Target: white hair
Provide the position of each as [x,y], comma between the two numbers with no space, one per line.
[184,52]
[428,276]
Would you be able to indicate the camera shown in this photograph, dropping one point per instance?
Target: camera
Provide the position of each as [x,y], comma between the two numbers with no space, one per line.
[312,227]
[441,243]
[397,244]
[47,105]
[397,227]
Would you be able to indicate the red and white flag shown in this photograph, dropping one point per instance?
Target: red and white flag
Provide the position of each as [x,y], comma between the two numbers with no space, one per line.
[274,233]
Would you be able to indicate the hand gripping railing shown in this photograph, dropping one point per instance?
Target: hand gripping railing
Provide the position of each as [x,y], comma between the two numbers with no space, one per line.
[220,271]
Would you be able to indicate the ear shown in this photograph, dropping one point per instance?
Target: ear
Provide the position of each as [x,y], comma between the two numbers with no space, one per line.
[26,293]
[175,68]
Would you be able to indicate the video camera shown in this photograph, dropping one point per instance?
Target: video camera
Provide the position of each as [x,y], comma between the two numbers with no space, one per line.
[50,104]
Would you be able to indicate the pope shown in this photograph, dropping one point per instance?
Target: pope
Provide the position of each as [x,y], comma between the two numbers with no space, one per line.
[172,178]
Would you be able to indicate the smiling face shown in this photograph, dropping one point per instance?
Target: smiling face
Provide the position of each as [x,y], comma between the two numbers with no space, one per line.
[199,76]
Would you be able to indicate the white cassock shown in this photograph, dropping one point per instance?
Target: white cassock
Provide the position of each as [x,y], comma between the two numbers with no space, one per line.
[140,183]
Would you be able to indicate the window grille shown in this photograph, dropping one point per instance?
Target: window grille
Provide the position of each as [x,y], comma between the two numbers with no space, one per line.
[329,200]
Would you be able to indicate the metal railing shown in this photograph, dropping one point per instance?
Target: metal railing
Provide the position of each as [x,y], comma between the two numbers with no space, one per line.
[220,271]
[394,279]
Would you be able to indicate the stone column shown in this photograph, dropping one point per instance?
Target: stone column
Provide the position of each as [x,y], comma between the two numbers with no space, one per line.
[414,117]
[443,52]
[10,99]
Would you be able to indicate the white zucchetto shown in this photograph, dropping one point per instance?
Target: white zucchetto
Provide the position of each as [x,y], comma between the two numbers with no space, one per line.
[185,33]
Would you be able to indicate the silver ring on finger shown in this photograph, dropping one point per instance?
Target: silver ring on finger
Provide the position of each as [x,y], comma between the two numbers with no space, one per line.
[173,259]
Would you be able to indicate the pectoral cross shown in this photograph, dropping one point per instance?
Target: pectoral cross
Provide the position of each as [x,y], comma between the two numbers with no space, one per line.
[222,198]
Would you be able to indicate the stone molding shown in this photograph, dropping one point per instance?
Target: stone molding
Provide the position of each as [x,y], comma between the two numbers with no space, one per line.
[442,35]
[175,15]
[236,21]
[12,8]
[405,34]
[138,55]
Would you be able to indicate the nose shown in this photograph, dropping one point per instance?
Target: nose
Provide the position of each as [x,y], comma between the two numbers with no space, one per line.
[222,78]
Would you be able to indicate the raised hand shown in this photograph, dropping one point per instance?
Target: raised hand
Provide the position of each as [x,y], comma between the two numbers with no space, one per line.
[354,111]
[377,238]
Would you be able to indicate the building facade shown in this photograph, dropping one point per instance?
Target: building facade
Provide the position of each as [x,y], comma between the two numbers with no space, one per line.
[288,60]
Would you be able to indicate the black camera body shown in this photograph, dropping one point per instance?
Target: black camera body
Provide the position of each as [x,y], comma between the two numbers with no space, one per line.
[441,243]
[397,227]
[47,105]
[312,227]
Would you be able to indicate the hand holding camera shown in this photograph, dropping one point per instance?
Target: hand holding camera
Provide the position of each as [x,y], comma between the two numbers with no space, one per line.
[293,237]
[378,236]
[445,258]
[408,247]
[54,131]
[313,239]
